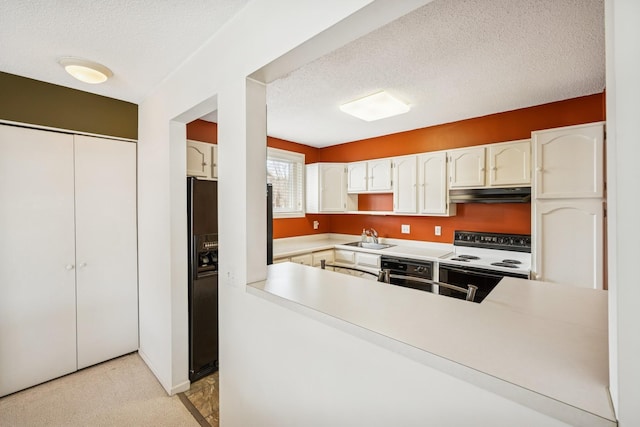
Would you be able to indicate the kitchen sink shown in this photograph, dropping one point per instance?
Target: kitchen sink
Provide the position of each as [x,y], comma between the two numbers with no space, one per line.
[368,245]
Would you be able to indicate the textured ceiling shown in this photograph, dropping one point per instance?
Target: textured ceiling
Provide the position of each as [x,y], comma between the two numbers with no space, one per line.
[450,60]
[141,41]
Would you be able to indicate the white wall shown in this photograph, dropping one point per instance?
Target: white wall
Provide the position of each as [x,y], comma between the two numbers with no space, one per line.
[262,32]
[261,385]
[623,176]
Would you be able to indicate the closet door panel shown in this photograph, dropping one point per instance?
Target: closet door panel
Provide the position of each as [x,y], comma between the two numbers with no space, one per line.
[37,275]
[106,249]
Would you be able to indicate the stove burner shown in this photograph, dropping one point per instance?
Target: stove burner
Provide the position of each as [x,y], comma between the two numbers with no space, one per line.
[504,264]
[468,257]
[459,259]
[511,261]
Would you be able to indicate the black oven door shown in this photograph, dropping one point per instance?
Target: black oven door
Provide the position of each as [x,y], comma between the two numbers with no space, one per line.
[484,279]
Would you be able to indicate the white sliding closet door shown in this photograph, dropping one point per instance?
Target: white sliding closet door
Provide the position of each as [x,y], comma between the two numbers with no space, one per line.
[106,249]
[37,259]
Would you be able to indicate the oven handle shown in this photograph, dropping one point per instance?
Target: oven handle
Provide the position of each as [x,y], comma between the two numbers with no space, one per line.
[477,273]
[470,291]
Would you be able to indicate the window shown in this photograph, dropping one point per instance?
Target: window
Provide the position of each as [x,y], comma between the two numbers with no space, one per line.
[285,171]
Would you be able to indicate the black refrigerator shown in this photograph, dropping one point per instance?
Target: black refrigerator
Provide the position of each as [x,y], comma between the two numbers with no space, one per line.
[202,210]
[269,224]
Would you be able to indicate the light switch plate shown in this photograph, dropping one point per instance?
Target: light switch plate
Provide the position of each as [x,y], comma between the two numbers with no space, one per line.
[405,228]
[438,230]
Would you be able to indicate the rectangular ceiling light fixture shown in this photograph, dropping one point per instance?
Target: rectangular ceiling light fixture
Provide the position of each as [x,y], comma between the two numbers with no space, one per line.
[378,106]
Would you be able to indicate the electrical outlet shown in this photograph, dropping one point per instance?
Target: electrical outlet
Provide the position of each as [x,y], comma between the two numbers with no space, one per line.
[316,224]
[405,228]
[438,230]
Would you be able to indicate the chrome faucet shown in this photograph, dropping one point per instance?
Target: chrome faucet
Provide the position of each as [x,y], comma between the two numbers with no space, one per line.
[374,235]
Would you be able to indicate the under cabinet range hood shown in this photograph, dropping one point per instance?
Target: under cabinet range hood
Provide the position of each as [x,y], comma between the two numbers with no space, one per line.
[491,195]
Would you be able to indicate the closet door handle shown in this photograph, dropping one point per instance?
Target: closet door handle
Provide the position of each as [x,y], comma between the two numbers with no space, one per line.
[69,267]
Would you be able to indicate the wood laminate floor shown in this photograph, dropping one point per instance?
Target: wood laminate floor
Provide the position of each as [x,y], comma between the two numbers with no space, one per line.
[204,395]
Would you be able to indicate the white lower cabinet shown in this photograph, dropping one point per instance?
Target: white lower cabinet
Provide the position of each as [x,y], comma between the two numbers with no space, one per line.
[360,260]
[327,256]
[68,265]
[569,242]
[304,259]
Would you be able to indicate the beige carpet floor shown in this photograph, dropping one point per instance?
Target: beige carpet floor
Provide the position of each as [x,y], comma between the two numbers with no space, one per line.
[120,392]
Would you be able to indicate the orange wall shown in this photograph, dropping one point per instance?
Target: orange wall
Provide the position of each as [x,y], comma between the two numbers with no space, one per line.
[507,126]
[200,130]
[500,218]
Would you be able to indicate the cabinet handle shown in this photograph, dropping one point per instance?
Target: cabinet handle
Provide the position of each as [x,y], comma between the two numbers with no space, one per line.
[69,267]
[539,169]
[83,265]
[494,168]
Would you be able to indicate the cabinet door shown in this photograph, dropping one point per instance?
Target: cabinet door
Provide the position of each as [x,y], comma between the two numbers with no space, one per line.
[367,260]
[467,168]
[37,264]
[432,179]
[304,259]
[569,162]
[510,164]
[107,287]
[345,257]
[199,159]
[332,187]
[405,185]
[357,177]
[317,257]
[569,242]
[379,175]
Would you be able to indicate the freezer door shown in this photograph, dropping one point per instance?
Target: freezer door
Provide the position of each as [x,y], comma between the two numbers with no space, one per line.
[203,327]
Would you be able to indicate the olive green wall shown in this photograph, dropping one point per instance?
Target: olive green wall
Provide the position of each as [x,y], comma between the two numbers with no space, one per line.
[31,101]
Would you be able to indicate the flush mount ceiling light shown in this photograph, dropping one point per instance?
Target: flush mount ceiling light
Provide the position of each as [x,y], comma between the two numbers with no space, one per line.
[85,71]
[378,106]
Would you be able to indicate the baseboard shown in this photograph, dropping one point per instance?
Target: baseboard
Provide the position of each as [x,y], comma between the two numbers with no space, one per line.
[183,386]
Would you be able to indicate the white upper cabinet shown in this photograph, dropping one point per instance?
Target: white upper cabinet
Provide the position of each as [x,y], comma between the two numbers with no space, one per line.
[357,177]
[405,178]
[202,159]
[379,175]
[569,162]
[369,176]
[509,163]
[432,184]
[326,188]
[505,164]
[467,167]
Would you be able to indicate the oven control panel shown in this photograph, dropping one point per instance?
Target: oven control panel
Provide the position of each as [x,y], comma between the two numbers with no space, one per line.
[508,242]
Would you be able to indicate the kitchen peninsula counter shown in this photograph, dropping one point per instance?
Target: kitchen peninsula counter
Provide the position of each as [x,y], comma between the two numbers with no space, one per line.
[539,344]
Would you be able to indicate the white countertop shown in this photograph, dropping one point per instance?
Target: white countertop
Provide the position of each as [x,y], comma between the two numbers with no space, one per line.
[543,345]
[416,250]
